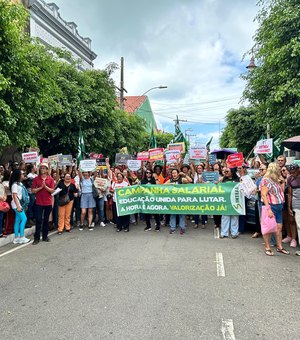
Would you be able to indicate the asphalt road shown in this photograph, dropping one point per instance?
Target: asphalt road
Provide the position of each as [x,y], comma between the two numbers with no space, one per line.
[138,285]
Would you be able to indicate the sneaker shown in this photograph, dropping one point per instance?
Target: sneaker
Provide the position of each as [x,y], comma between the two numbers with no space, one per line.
[297,253]
[126,230]
[91,227]
[182,231]
[234,236]
[102,224]
[16,240]
[287,239]
[35,242]
[24,240]
[118,230]
[147,229]
[157,228]
[293,243]
[172,231]
[80,227]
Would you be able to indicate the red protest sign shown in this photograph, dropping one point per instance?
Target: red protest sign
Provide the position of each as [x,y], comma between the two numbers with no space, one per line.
[143,156]
[235,160]
[156,154]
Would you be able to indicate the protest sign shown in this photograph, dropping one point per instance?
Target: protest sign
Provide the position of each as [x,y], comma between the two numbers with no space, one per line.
[172,156]
[189,199]
[156,154]
[88,165]
[94,155]
[198,153]
[235,160]
[53,161]
[134,164]
[65,160]
[122,158]
[143,156]
[30,157]
[253,172]
[247,186]
[100,182]
[177,146]
[100,161]
[210,176]
[264,146]
[296,161]
[44,160]
[212,158]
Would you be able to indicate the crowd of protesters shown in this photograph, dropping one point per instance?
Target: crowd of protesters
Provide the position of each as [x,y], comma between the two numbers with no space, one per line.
[65,198]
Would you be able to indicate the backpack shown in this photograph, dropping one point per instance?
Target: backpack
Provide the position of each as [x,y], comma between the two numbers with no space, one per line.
[24,201]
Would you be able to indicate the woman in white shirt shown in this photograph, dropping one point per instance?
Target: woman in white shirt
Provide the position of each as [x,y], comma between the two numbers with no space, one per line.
[122,221]
[16,188]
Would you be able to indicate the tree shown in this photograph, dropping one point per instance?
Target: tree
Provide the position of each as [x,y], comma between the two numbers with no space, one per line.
[162,140]
[274,86]
[243,129]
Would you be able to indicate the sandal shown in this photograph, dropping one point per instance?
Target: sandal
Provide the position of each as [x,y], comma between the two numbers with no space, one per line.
[269,252]
[283,251]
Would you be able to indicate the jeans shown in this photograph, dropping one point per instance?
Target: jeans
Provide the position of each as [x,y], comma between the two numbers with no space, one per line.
[100,208]
[173,222]
[20,223]
[40,211]
[1,221]
[31,207]
[230,223]
[203,219]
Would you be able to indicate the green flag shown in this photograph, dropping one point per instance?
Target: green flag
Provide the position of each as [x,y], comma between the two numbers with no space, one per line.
[209,142]
[152,144]
[178,136]
[81,148]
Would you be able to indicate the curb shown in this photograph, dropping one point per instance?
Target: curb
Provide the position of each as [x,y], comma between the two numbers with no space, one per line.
[6,240]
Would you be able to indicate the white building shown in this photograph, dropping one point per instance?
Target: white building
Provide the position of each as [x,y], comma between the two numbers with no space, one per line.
[47,25]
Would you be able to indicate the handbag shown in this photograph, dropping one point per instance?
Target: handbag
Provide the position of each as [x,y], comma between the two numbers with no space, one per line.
[64,199]
[4,207]
[95,191]
[268,224]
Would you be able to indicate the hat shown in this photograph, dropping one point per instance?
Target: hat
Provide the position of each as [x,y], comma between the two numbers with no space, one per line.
[185,166]
[293,166]
[45,165]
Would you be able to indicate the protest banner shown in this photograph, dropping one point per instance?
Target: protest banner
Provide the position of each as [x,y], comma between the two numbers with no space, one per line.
[100,182]
[156,154]
[177,146]
[65,160]
[88,165]
[247,186]
[235,160]
[188,199]
[210,176]
[198,153]
[30,157]
[122,158]
[134,164]
[264,146]
[172,156]
[143,156]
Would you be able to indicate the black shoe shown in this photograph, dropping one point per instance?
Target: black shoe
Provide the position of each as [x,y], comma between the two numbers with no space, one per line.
[147,229]
[46,239]
[157,228]
[35,242]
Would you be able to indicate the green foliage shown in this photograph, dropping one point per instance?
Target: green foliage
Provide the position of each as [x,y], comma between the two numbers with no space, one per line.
[162,140]
[274,86]
[243,129]
[46,101]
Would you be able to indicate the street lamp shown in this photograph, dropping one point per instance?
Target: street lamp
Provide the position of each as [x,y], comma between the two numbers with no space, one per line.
[186,130]
[251,65]
[156,87]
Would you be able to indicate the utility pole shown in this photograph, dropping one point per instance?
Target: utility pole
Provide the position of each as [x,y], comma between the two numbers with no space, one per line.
[268,130]
[122,85]
[188,136]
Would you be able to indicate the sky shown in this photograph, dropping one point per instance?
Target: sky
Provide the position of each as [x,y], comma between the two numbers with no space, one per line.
[195,47]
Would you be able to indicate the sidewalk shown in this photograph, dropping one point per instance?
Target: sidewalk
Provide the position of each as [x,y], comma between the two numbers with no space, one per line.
[6,240]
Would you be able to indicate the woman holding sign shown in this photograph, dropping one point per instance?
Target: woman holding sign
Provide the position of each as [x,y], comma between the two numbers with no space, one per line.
[150,180]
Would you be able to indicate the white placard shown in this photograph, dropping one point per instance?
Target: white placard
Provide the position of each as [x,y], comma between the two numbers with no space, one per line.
[247,185]
[134,164]
[198,153]
[264,146]
[172,156]
[88,165]
[30,157]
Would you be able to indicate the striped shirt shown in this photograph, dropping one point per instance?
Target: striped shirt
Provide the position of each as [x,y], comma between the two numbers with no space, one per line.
[275,192]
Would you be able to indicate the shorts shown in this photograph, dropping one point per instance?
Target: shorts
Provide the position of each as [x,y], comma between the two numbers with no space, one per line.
[87,201]
[277,211]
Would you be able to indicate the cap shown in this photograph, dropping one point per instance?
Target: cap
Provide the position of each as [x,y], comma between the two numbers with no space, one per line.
[293,166]
[45,165]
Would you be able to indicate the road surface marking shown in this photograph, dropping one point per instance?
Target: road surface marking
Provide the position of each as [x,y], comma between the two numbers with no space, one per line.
[228,329]
[220,265]
[22,246]
[217,233]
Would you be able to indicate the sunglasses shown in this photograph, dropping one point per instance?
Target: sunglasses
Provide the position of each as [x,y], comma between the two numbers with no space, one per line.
[148,172]
[226,171]
[262,169]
